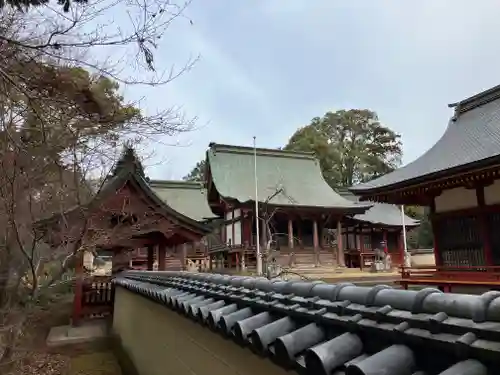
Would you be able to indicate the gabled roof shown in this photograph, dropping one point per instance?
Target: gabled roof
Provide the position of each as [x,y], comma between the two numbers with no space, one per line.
[290,178]
[320,328]
[129,169]
[471,139]
[380,213]
[186,197]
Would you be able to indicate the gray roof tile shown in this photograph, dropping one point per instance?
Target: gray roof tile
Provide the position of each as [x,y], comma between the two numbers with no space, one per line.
[319,328]
[474,136]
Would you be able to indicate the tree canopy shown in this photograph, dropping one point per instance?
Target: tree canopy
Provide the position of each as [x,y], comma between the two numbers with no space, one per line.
[352,146]
[197,173]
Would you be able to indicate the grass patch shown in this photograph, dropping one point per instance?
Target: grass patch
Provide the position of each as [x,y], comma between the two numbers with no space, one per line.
[99,363]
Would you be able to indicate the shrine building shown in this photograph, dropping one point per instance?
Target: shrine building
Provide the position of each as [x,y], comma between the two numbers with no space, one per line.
[381,226]
[293,197]
[458,178]
[125,215]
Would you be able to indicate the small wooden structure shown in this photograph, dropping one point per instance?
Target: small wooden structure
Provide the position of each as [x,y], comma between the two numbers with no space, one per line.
[125,215]
[459,179]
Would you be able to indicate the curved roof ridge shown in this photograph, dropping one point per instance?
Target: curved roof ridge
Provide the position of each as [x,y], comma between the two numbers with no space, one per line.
[173,184]
[476,100]
[261,151]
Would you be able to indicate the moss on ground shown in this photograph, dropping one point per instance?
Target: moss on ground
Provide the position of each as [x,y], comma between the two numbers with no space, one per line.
[98,363]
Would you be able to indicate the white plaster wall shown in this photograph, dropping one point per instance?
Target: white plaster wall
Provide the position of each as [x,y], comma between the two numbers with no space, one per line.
[492,193]
[237,233]
[455,199]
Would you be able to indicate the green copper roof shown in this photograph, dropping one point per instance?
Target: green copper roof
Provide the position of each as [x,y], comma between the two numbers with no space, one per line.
[381,213]
[188,198]
[295,176]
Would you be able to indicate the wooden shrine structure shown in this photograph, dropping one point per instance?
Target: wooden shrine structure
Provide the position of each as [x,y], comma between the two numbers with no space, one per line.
[298,209]
[459,179]
[126,214]
[380,227]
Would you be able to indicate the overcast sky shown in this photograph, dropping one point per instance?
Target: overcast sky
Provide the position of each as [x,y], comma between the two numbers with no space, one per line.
[269,66]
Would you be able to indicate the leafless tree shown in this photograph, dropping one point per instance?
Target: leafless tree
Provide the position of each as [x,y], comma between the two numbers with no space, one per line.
[62,125]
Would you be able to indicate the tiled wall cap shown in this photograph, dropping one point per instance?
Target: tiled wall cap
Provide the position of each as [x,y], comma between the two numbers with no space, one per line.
[285,319]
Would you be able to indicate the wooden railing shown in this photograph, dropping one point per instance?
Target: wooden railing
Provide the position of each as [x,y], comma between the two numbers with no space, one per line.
[97,296]
[446,277]
[452,273]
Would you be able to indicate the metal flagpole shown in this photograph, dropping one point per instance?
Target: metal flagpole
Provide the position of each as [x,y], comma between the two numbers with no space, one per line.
[406,258]
[257,247]
[404,227]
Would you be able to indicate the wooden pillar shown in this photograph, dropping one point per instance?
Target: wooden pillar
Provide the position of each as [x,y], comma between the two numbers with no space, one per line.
[315,241]
[437,256]
[184,255]
[232,228]
[340,247]
[151,257]
[484,230]
[299,233]
[246,233]
[162,254]
[78,297]
[290,233]
[384,236]
[263,234]
[361,240]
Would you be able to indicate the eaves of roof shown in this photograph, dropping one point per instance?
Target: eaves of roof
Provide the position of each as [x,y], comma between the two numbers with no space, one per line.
[319,328]
[471,141]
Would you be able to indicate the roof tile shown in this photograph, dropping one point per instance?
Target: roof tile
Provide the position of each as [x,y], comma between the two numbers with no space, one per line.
[296,176]
[319,328]
[188,198]
[471,137]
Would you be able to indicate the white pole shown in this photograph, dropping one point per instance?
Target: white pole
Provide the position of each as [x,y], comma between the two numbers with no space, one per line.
[406,258]
[257,245]
[404,227]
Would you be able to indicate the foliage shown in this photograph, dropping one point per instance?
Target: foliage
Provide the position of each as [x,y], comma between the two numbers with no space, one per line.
[197,173]
[420,237]
[352,146]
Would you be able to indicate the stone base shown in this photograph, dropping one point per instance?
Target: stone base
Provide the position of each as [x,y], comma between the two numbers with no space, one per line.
[86,332]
